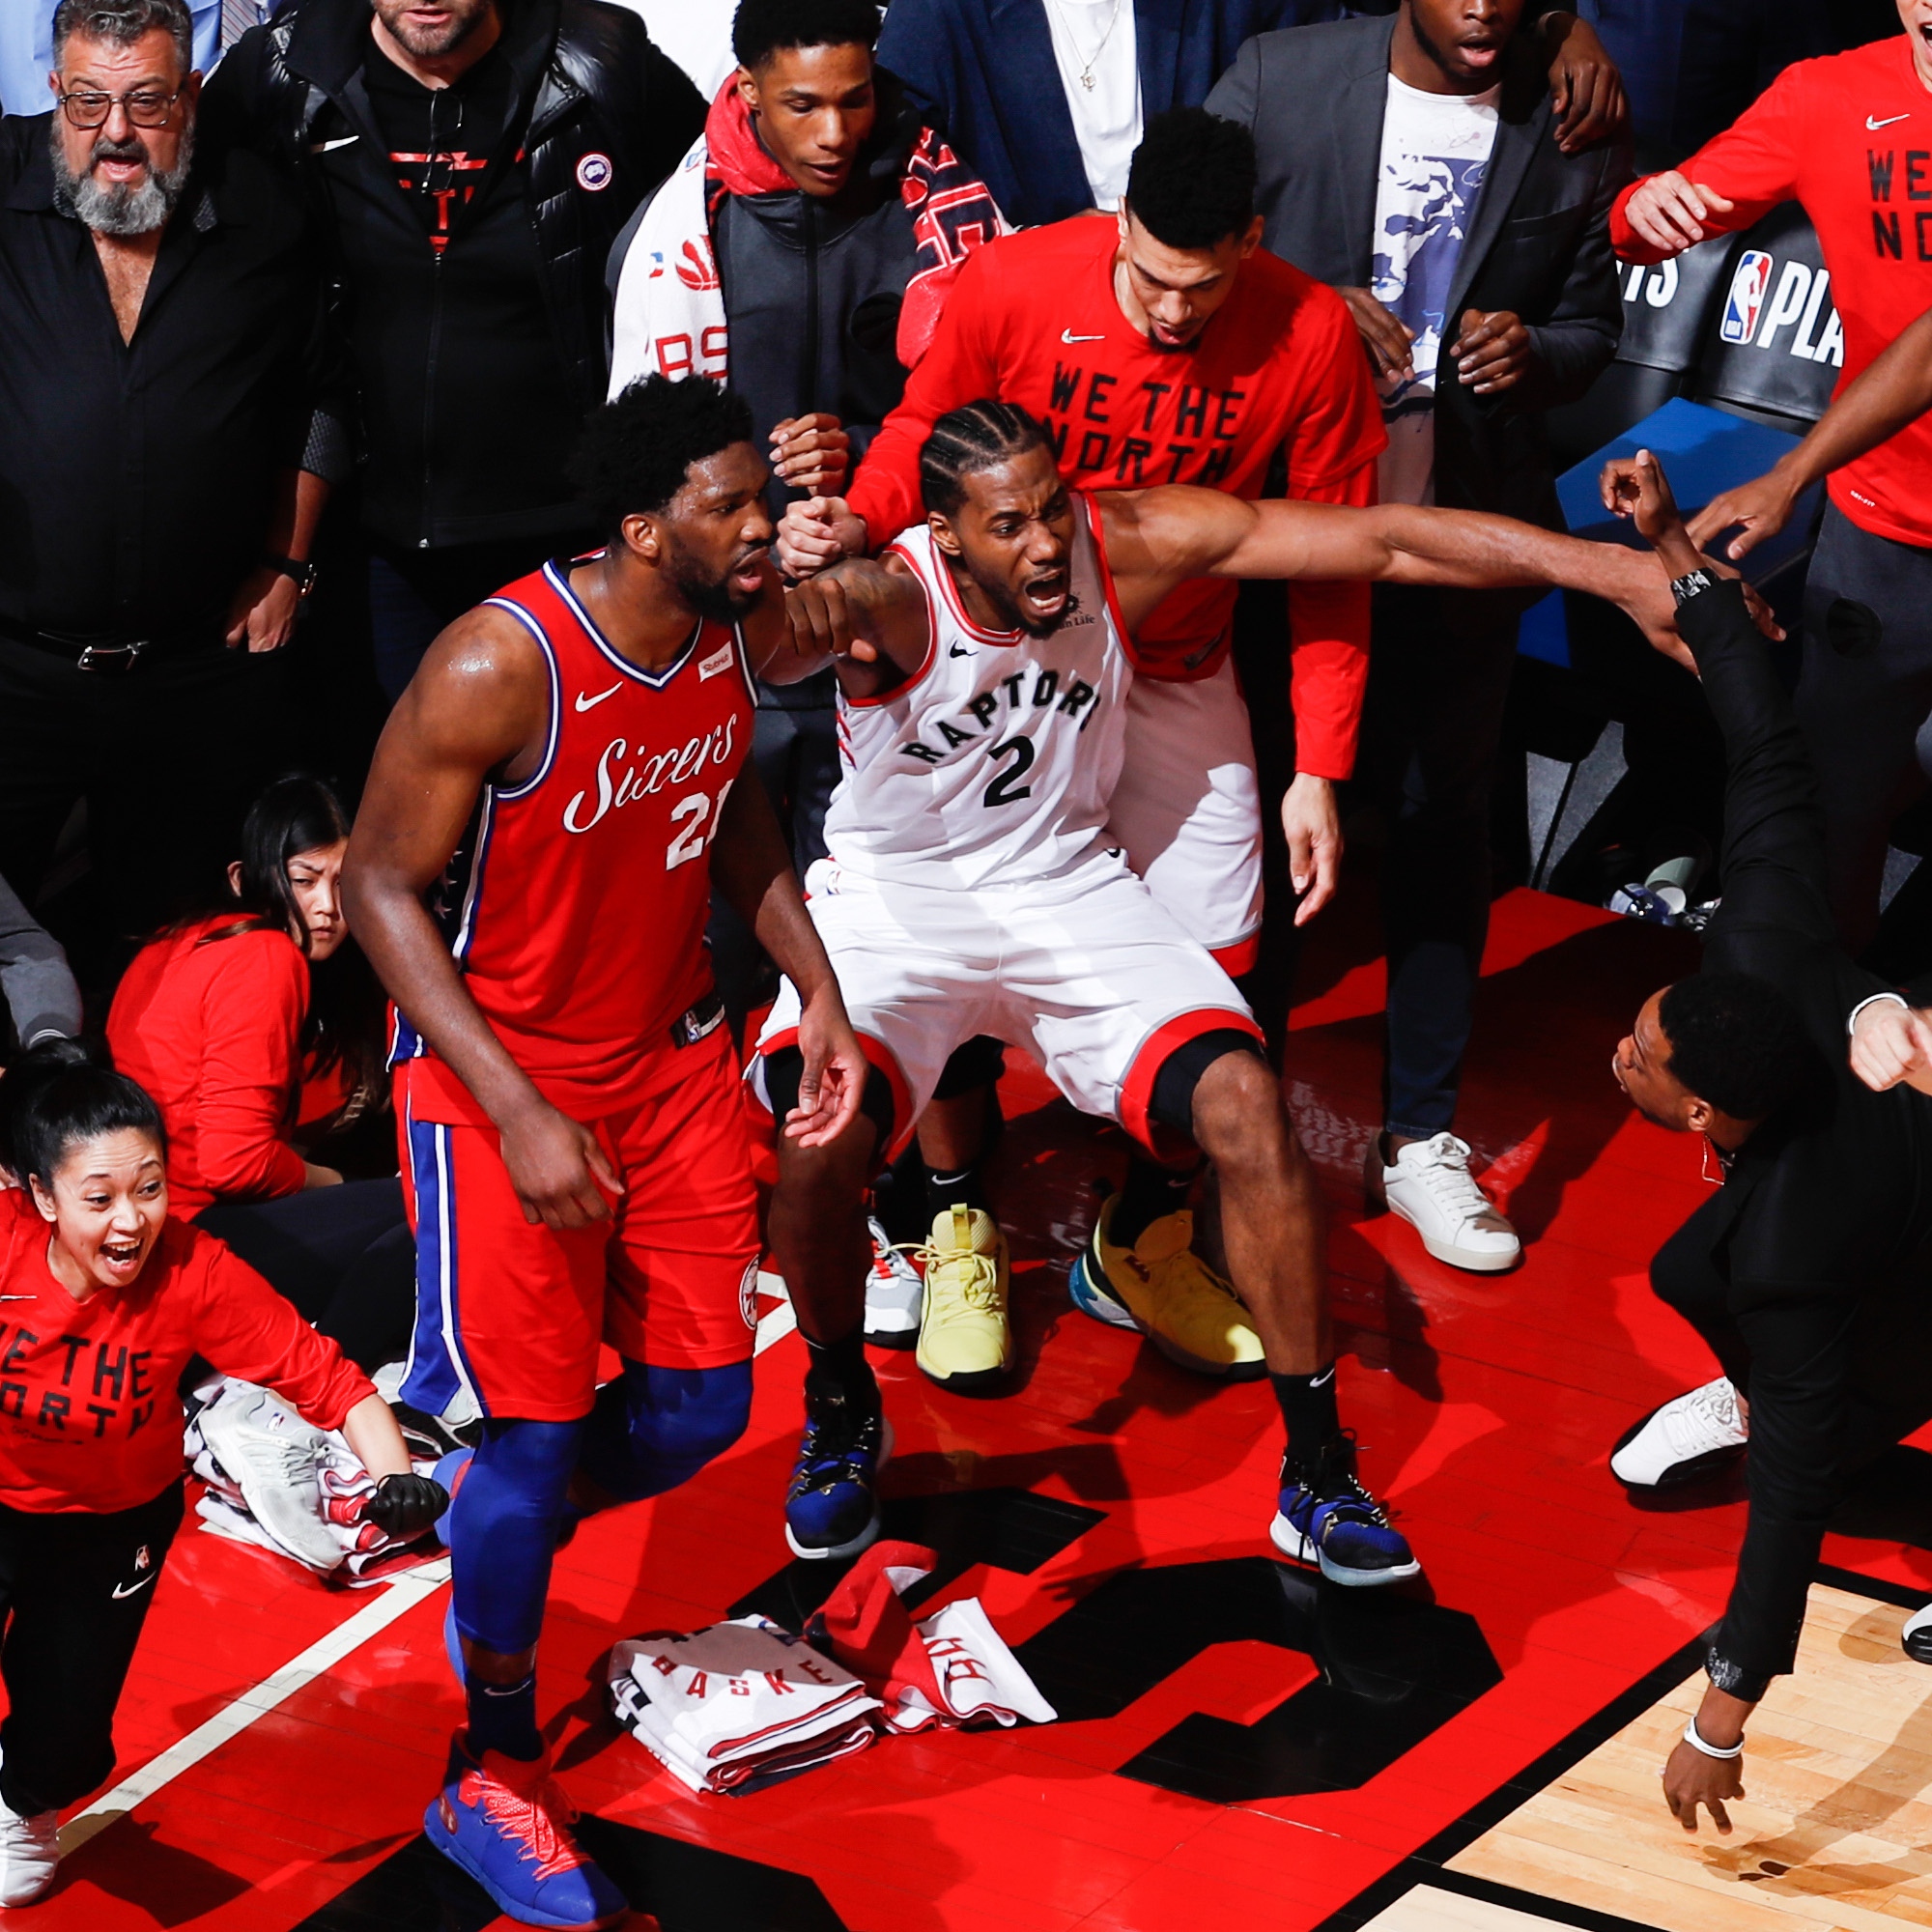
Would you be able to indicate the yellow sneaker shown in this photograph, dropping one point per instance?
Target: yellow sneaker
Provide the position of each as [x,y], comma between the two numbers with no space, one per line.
[965,1342]
[1161,1287]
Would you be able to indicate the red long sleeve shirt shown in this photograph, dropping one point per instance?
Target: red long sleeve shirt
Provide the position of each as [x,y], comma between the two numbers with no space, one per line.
[1850,138]
[212,1031]
[89,1417]
[1033,319]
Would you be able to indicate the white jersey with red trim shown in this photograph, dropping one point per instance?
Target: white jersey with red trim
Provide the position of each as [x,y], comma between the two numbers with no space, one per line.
[993,763]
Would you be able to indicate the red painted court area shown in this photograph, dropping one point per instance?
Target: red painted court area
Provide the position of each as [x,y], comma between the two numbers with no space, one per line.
[1237,1750]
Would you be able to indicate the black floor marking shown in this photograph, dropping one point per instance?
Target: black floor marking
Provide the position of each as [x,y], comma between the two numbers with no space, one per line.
[1004,1529]
[688,1887]
[1394,1669]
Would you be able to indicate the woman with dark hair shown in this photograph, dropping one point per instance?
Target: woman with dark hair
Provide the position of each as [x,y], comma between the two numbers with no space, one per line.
[107,1296]
[224,1018]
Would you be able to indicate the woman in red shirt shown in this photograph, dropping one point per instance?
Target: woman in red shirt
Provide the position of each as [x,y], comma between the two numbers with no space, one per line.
[107,1297]
[222,1018]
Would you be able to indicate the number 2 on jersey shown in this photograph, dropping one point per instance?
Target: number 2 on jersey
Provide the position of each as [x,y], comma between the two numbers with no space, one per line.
[1004,790]
[690,843]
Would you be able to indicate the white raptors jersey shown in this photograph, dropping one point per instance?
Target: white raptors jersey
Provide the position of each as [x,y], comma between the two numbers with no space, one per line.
[995,761]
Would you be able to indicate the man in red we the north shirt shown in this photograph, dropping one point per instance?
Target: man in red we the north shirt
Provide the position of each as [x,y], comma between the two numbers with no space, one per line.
[1167,353]
[1850,137]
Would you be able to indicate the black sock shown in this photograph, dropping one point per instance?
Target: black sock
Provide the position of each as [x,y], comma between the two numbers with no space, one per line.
[1308,1407]
[839,1373]
[1151,1191]
[963,1189]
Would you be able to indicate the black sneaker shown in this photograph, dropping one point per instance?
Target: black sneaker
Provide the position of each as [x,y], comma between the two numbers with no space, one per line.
[1327,1517]
[832,1509]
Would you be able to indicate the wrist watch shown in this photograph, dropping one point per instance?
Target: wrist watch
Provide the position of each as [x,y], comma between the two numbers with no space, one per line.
[1693,583]
[303,574]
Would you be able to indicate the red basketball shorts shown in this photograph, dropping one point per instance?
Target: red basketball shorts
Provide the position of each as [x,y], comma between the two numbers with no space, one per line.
[514,1314]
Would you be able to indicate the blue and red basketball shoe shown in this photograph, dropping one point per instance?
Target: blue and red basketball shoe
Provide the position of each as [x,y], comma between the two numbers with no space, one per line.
[1327,1517]
[507,1824]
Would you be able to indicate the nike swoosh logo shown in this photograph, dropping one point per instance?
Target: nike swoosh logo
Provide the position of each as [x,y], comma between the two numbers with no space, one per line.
[957,652]
[132,1587]
[1322,1380]
[1068,336]
[584,703]
[1872,127]
[330,147]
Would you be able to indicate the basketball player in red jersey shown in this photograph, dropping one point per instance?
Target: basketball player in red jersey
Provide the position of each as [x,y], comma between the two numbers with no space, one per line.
[1161,347]
[561,780]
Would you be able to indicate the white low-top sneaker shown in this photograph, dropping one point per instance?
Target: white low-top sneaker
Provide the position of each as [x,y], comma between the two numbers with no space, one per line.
[275,1458]
[1691,1436]
[893,1292]
[1430,1185]
[1917,1635]
[29,1855]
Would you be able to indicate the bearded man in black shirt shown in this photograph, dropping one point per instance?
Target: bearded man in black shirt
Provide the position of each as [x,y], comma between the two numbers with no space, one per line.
[170,418]
[474,160]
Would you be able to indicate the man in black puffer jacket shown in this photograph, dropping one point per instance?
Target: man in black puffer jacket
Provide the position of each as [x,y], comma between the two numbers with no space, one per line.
[813,237]
[472,163]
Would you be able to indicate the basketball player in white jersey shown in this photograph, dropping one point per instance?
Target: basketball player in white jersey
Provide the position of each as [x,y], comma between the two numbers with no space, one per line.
[970,889]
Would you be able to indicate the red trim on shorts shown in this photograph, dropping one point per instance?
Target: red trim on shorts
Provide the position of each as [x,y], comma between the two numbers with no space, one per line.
[1137,1089]
[878,1053]
[1238,959]
[906,558]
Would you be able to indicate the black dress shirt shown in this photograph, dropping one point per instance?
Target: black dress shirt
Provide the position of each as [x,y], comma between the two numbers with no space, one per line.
[1828,1208]
[137,478]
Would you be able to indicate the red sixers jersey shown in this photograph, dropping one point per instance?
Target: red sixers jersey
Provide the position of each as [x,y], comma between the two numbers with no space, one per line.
[576,901]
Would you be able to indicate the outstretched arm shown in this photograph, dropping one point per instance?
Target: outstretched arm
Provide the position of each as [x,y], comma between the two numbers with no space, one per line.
[871,620]
[1156,538]
[475,706]
[1895,390]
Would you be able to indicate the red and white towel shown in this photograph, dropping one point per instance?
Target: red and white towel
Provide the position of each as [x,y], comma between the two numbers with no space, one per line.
[738,1705]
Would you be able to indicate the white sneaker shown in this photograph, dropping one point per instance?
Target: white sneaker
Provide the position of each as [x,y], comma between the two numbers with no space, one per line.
[1430,1185]
[275,1458]
[1689,1437]
[894,1291]
[1917,1635]
[29,1855]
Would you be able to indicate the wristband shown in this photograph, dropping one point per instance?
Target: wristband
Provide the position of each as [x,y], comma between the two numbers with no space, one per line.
[302,574]
[1693,583]
[1874,1000]
[1696,1742]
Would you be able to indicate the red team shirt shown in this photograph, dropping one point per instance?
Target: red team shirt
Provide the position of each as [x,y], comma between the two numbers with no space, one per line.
[1033,321]
[576,905]
[89,1417]
[1850,138]
[212,1028]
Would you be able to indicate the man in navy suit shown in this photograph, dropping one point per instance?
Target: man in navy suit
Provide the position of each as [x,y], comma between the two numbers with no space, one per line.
[1046,99]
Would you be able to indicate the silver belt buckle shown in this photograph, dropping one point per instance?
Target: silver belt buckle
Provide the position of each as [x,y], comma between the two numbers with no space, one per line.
[110,657]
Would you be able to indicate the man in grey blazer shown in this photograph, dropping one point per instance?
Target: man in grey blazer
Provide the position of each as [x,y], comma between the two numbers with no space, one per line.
[1410,161]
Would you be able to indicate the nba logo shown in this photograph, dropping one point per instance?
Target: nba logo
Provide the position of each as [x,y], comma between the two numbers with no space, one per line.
[1746,297]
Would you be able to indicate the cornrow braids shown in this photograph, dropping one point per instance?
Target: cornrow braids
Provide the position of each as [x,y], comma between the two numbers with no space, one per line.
[977,436]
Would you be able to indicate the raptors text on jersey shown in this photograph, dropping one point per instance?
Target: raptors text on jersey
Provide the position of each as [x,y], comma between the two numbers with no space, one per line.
[996,760]
[575,903]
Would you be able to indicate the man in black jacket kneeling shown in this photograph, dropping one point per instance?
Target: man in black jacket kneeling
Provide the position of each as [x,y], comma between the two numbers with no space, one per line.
[1808,1273]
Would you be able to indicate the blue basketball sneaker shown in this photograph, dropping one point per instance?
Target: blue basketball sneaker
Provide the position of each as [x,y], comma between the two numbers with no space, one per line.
[1327,1517]
[832,1509]
[507,1824]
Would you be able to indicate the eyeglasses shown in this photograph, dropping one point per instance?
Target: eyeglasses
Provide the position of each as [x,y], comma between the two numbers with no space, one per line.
[147,107]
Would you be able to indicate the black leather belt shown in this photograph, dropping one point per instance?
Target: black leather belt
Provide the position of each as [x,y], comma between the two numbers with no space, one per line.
[105,654]
[702,1020]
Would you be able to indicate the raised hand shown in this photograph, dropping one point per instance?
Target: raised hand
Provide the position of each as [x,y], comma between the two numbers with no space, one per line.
[1672,212]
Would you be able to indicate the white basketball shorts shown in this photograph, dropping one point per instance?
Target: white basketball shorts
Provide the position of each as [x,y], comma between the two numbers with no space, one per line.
[1187,811]
[1084,971]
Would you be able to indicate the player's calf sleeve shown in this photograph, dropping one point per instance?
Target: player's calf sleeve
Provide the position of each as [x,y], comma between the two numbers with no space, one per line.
[502,1530]
[655,1428]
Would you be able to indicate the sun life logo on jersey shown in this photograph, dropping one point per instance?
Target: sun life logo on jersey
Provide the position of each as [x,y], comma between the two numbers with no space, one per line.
[626,774]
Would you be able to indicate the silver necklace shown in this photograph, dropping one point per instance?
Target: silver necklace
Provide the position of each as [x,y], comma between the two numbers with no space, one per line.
[1101,47]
